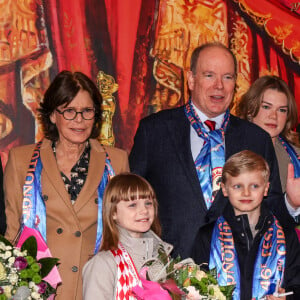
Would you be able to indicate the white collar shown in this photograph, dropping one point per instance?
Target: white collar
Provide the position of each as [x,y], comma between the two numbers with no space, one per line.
[218,119]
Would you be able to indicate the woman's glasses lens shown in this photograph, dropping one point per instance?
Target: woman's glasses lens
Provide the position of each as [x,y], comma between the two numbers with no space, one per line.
[71,113]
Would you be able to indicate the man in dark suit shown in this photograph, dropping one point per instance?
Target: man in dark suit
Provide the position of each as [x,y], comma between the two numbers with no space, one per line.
[167,145]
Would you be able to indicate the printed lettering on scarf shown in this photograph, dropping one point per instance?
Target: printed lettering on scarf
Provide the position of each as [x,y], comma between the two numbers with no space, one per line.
[268,267]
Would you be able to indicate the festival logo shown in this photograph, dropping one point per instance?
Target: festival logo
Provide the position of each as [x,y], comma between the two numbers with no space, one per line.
[216,179]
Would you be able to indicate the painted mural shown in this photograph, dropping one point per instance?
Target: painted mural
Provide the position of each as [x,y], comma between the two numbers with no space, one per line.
[137,51]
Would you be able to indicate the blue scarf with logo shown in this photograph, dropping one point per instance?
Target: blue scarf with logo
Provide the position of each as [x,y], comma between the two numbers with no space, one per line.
[34,209]
[269,265]
[210,161]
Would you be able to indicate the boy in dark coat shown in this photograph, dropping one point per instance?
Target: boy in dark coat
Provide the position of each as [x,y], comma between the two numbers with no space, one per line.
[247,245]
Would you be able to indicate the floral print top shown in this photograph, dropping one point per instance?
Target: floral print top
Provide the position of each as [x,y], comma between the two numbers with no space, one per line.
[78,173]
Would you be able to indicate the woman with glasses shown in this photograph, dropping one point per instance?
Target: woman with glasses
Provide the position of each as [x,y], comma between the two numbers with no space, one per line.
[270,104]
[56,186]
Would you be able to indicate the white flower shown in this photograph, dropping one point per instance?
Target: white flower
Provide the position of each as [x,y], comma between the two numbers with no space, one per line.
[14,271]
[17,252]
[33,286]
[200,274]
[35,295]
[2,246]
[11,260]
[7,254]
[13,278]
[7,290]
[217,292]
[193,294]
[8,247]
[2,272]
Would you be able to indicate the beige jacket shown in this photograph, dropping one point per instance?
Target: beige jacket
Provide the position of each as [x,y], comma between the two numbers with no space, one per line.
[99,274]
[283,161]
[71,229]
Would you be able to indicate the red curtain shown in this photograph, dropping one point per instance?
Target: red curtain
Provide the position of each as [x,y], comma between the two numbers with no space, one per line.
[116,36]
[89,35]
[275,31]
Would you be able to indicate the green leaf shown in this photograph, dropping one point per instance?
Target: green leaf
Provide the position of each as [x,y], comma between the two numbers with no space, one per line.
[49,290]
[227,291]
[5,241]
[47,264]
[31,246]
[212,279]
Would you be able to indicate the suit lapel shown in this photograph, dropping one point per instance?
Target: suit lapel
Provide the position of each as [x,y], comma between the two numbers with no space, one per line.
[95,172]
[179,128]
[52,172]
[96,167]
[233,138]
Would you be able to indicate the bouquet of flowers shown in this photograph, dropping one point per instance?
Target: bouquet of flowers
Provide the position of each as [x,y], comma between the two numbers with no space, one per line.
[199,284]
[183,279]
[21,274]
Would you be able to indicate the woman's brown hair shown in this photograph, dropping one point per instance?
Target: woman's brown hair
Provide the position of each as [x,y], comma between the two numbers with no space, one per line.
[124,187]
[62,90]
[251,101]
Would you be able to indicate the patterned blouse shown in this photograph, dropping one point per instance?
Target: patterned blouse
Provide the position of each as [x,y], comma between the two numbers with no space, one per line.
[78,173]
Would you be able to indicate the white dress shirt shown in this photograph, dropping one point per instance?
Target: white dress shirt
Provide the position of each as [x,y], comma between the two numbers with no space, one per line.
[196,141]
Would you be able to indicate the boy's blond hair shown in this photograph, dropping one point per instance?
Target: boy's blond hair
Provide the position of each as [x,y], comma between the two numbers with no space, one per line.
[245,161]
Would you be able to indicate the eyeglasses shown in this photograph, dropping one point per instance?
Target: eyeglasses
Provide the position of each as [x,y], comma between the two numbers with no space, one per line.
[71,113]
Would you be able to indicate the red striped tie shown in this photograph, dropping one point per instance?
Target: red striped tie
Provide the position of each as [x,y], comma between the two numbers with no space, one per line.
[210,124]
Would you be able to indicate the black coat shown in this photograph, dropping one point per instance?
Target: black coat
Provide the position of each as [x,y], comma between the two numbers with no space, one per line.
[162,154]
[247,248]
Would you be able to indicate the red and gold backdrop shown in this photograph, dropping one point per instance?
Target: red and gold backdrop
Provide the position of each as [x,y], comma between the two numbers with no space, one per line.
[138,51]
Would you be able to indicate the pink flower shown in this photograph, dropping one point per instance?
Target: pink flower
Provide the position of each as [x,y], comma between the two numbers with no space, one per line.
[20,263]
[42,287]
[193,294]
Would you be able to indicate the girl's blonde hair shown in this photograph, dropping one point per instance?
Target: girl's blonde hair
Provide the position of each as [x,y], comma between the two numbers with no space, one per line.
[251,102]
[124,187]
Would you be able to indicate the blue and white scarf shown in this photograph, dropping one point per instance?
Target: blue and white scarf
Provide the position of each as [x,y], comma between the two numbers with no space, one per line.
[294,157]
[269,265]
[210,161]
[34,209]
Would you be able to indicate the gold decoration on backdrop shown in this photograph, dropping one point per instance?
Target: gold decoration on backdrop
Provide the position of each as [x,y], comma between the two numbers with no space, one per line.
[24,59]
[35,79]
[239,43]
[281,32]
[107,86]
[19,35]
[259,18]
[263,72]
[182,25]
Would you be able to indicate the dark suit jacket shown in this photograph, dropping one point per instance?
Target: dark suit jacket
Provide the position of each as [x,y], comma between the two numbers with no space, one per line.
[162,154]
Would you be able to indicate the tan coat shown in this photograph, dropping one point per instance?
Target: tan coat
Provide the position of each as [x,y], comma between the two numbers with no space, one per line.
[71,229]
[99,273]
